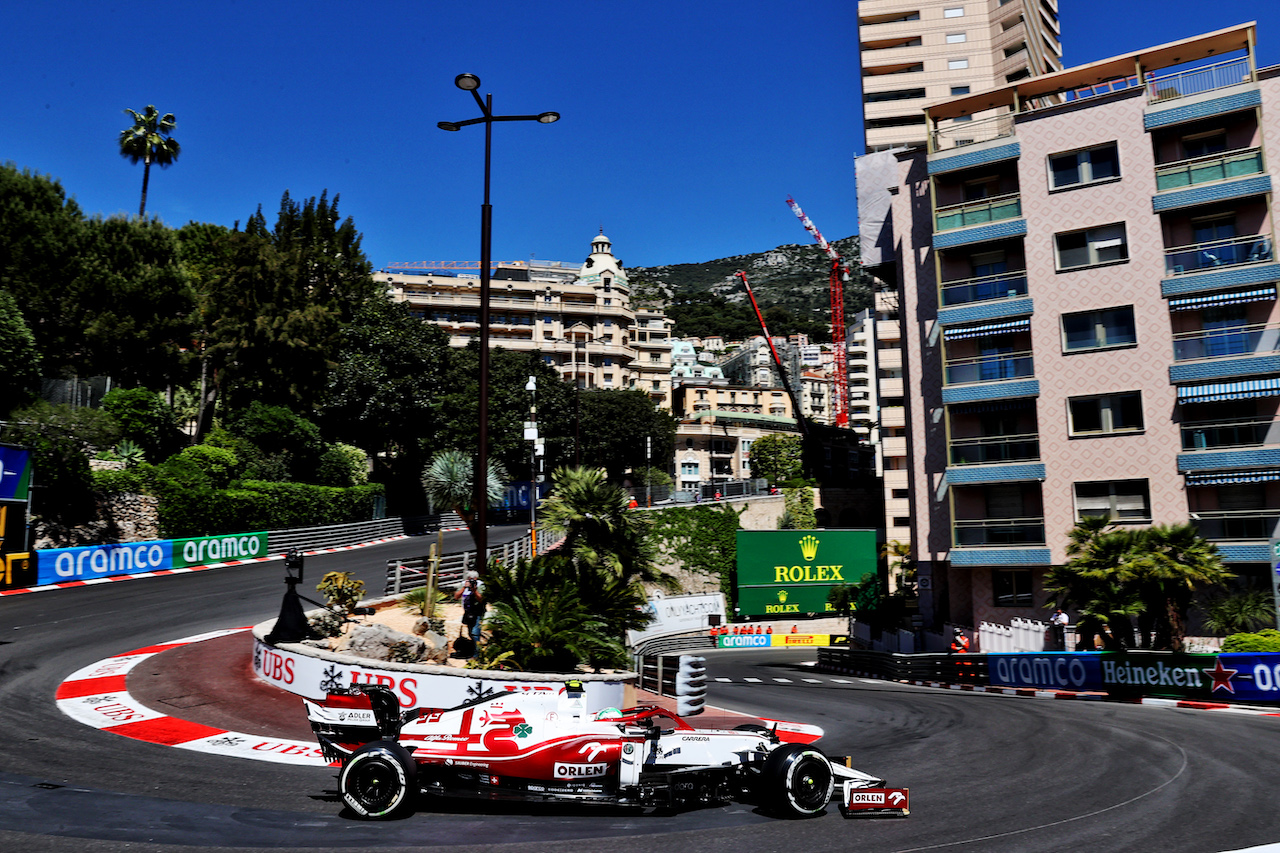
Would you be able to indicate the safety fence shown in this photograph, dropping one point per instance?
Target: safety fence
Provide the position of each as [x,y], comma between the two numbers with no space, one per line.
[336,535]
[952,669]
[449,569]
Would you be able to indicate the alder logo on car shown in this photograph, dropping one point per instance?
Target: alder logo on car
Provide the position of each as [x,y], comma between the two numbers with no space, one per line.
[579,771]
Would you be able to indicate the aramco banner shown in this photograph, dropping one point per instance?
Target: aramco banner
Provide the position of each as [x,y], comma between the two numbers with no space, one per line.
[60,565]
[785,573]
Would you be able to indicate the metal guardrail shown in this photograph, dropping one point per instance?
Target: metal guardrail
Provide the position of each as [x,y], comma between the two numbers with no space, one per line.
[335,535]
[414,572]
[673,643]
[951,669]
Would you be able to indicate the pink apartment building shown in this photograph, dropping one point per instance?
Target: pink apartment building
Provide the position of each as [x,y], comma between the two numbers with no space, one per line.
[1089,317]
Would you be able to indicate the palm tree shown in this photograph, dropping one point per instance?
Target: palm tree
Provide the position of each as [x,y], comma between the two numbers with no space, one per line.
[448,482]
[149,140]
[1168,565]
[902,569]
[1243,611]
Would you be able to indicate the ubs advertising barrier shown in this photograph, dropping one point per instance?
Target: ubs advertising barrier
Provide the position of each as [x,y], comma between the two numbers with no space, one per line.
[1235,677]
[784,572]
[678,614]
[60,565]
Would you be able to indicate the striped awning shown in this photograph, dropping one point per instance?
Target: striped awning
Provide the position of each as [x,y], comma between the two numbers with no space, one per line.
[1229,390]
[1227,478]
[1020,325]
[1233,297]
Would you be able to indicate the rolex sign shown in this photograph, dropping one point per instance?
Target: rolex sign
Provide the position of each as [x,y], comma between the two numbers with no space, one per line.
[788,573]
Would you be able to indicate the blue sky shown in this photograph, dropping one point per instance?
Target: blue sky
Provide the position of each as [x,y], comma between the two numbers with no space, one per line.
[685,125]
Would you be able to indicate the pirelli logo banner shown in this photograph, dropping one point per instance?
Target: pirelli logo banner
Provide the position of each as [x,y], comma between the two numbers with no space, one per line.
[789,572]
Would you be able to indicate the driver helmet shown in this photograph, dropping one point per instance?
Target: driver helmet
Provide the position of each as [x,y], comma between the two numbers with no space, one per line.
[609,714]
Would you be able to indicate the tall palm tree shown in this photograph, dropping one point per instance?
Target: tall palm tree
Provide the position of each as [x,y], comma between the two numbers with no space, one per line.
[149,140]
[448,483]
[1170,563]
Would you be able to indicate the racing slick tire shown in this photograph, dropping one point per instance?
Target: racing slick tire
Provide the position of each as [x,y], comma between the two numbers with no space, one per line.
[796,781]
[379,780]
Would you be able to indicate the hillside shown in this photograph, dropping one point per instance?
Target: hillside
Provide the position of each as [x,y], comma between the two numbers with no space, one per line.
[790,283]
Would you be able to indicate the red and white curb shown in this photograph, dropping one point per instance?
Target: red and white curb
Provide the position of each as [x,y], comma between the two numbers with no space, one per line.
[96,696]
[189,569]
[1039,693]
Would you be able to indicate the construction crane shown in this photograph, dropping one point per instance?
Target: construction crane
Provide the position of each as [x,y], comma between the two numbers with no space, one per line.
[801,421]
[839,275]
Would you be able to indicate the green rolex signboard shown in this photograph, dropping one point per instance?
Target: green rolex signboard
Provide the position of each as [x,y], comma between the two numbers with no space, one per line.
[790,572]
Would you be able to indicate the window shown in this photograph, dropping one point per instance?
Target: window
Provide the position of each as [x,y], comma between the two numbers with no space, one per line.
[1204,144]
[1097,329]
[1084,167]
[901,493]
[657,386]
[608,301]
[1120,500]
[956,64]
[955,38]
[961,119]
[895,95]
[1102,245]
[902,521]
[1011,587]
[688,469]
[959,90]
[1109,413]
[954,12]
[896,121]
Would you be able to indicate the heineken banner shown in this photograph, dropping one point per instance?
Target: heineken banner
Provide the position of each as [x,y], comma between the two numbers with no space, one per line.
[60,565]
[789,572]
[1235,677]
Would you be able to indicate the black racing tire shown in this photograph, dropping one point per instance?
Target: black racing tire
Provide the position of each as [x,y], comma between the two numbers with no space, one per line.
[796,781]
[379,780]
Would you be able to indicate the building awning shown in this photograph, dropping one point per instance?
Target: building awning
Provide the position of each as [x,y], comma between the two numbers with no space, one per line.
[1217,391]
[1233,297]
[1227,478]
[1005,326]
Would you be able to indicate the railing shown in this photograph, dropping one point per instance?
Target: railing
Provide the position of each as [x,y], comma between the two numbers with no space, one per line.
[1213,167]
[415,572]
[998,531]
[1221,343]
[335,535]
[978,212]
[971,132]
[1004,448]
[1243,524]
[1195,257]
[1242,432]
[1005,285]
[989,368]
[1207,78]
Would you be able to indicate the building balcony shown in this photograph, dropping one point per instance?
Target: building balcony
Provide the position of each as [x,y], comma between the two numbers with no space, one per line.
[977,533]
[1006,285]
[1002,448]
[1170,88]
[1214,178]
[979,212]
[1237,525]
[1238,432]
[952,136]
[1217,255]
[1225,343]
[989,368]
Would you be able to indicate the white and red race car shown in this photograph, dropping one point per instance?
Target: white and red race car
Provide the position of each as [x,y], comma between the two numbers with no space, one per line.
[545,746]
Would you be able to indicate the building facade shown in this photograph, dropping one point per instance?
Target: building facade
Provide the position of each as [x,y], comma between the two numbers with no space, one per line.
[581,319]
[1090,319]
[917,52]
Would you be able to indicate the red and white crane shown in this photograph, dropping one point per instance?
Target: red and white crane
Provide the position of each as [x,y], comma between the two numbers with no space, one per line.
[839,275]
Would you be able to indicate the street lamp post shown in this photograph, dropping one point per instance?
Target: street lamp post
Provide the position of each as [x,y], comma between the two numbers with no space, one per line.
[471,83]
[531,434]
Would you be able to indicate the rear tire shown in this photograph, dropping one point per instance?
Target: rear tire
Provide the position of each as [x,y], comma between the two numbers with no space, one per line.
[378,780]
[796,781]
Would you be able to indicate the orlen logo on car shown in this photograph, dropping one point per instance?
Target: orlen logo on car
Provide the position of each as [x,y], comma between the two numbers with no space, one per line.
[579,771]
[872,797]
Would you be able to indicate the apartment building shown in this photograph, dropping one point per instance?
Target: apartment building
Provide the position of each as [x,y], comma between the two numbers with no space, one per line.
[580,318]
[1090,319]
[917,52]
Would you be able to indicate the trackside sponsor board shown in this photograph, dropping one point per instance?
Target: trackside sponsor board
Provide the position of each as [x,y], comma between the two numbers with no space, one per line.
[790,572]
[1214,678]
[676,613]
[60,565]
[757,641]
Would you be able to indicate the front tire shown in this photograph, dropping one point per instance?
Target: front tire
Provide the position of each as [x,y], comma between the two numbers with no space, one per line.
[379,780]
[796,781]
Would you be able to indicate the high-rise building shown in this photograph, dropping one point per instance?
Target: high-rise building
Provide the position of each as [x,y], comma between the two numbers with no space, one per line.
[1090,318]
[917,52]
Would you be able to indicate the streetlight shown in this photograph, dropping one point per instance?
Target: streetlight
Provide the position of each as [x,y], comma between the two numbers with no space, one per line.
[471,83]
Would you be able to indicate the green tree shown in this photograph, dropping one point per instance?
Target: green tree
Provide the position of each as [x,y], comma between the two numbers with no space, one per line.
[777,457]
[701,539]
[1245,610]
[449,482]
[19,359]
[902,567]
[39,255]
[612,429]
[273,443]
[146,420]
[150,140]
[798,512]
[1170,565]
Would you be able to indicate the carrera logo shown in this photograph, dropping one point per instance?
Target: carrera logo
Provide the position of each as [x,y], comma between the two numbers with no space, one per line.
[579,771]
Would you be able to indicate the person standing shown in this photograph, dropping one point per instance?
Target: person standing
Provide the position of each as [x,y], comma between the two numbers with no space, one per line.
[473,606]
[959,643]
[1058,626]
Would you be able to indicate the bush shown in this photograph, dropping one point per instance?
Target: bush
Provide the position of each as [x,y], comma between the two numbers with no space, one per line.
[1266,640]
[146,420]
[343,465]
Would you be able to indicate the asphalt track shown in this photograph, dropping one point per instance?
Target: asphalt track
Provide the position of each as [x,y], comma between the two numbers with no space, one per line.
[986,772]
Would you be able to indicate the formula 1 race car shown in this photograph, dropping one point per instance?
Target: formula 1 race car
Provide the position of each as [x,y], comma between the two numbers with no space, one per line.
[545,746]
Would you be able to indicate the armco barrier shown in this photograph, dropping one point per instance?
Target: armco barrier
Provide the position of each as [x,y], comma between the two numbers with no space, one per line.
[952,669]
